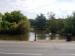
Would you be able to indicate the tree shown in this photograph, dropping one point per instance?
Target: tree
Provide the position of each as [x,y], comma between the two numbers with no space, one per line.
[0,21]
[1,16]
[69,24]
[59,25]
[72,19]
[55,26]
[5,22]
[40,25]
[15,23]
[52,25]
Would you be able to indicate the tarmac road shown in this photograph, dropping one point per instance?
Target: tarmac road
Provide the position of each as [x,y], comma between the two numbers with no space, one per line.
[22,48]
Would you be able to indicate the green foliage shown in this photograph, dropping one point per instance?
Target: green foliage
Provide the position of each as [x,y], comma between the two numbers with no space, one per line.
[55,25]
[52,24]
[40,22]
[32,23]
[59,25]
[15,23]
[69,24]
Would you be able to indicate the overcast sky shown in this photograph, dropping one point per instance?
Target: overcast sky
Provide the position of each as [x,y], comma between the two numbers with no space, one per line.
[31,8]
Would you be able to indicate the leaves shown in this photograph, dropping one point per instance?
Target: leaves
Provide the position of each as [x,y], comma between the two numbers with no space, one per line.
[14,22]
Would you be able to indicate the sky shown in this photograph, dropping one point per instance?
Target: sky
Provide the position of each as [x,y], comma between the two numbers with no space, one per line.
[31,8]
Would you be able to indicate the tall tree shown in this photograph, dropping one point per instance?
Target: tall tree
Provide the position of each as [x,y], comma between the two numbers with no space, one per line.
[40,25]
[52,25]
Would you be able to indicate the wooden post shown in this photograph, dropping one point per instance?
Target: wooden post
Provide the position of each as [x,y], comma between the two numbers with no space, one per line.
[35,37]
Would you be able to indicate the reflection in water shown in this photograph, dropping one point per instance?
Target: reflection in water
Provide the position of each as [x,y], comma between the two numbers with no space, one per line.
[32,36]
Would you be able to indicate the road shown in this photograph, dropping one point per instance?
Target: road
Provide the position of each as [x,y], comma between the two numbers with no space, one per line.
[52,48]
